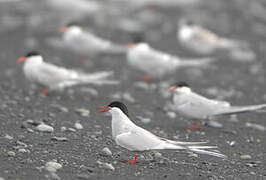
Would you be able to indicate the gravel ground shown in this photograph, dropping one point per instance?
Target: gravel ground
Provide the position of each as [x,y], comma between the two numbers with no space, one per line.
[77,133]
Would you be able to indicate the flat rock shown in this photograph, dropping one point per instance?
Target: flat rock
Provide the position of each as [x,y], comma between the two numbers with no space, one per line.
[55,138]
[83,112]
[52,166]
[245,156]
[45,128]
[78,126]
[107,151]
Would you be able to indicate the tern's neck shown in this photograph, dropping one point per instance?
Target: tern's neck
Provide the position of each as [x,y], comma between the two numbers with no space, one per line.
[119,117]
[119,122]
[34,61]
[183,90]
[143,46]
[73,32]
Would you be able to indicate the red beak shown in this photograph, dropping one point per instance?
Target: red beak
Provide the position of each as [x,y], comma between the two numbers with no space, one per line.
[62,29]
[172,88]
[131,45]
[21,59]
[104,109]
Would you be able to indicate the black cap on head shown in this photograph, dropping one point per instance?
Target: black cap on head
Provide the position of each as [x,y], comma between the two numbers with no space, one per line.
[119,105]
[187,22]
[73,23]
[138,38]
[190,22]
[33,53]
[181,84]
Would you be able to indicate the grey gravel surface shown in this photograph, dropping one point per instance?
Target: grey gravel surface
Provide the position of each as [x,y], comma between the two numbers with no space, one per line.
[78,144]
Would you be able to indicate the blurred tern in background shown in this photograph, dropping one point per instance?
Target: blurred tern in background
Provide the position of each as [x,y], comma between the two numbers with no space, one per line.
[53,77]
[45,15]
[156,64]
[86,43]
[134,138]
[192,105]
[202,41]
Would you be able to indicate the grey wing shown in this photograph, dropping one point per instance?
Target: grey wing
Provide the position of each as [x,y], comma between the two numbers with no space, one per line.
[51,75]
[161,56]
[157,62]
[87,44]
[139,140]
[197,106]
[204,35]
[201,100]
[96,42]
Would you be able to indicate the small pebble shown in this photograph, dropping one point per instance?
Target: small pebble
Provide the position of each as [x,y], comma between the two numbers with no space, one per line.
[71,129]
[30,130]
[83,112]
[78,126]
[171,115]
[214,124]
[252,173]
[105,165]
[22,150]
[107,151]
[32,122]
[233,118]
[55,138]
[11,153]
[108,166]
[61,108]
[22,144]
[52,166]
[144,120]
[245,157]
[8,137]
[157,155]
[232,143]
[252,164]
[63,128]
[191,154]
[45,128]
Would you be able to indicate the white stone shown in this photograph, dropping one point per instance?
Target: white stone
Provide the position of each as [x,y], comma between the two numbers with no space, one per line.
[44,128]
[107,151]
[52,166]
[78,125]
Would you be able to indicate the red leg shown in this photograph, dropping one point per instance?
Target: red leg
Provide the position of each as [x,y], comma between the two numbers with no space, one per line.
[45,91]
[146,78]
[136,156]
[83,60]
[194,127]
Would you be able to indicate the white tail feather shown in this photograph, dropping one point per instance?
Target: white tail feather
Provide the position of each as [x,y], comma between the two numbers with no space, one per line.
[195,62]
[98,78]
[216,154]
[190,147]
[242,109]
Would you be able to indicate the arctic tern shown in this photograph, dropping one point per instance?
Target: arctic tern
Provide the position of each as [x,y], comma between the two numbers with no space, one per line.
[84,42]
[156,63]
[57,78]
[134,138]
[192,105]
[205,42]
